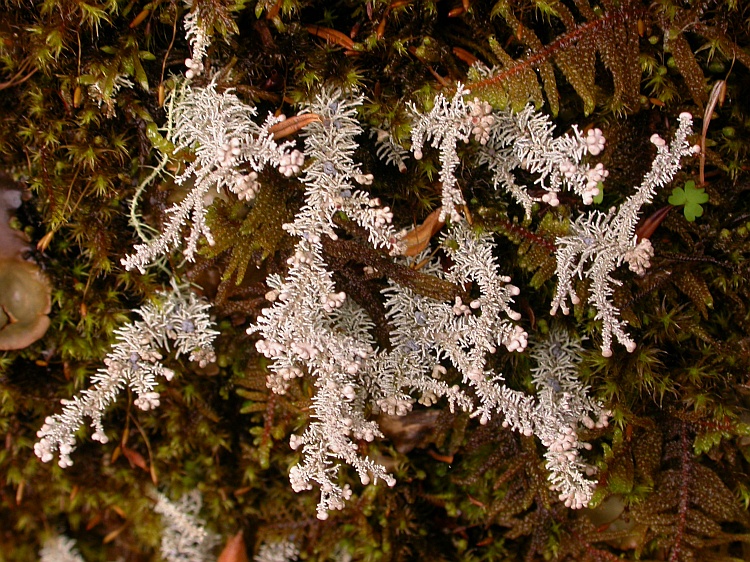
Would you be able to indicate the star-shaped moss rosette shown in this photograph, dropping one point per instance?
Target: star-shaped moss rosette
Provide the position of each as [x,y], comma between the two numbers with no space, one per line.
[692,197]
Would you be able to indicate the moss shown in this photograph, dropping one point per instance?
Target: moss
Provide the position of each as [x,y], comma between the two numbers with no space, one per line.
[673,468]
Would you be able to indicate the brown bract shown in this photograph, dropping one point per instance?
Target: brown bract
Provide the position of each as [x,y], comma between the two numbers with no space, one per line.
[234,550]
[417,239]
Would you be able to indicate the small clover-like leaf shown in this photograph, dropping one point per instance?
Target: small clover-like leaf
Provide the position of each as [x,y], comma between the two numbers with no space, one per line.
[692,197]
[695,195]
[678,197]
[692,210]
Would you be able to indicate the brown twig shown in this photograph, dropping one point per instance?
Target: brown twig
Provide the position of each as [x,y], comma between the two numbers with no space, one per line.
[164,62]
[15,80]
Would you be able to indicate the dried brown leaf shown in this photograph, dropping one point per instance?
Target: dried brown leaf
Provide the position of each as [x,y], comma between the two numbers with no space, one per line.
[418,238]
[235,550]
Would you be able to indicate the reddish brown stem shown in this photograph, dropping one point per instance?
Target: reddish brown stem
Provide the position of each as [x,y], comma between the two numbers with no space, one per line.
[268,420]
[594,552]
[521,231]
[545,54]
[674,555]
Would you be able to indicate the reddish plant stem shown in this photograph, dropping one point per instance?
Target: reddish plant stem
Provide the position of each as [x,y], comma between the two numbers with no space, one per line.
[546,53]
[674,555]
[524,233]
[268,420]
[591,550]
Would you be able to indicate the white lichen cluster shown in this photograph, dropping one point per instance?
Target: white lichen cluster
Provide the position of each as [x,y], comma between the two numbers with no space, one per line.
[230,149]
[197,38]
[427,333]
[278,551]
[507,141]
[184,537]
[443,127]
[598,243]
[313,328]
[388,150]
[59,548]
[562,407]
[176,319]
[525,141]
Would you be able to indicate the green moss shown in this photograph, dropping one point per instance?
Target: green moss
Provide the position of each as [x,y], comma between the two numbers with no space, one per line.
[674,462]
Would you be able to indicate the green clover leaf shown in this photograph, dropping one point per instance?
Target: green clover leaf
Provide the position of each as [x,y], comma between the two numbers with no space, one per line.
[691,197]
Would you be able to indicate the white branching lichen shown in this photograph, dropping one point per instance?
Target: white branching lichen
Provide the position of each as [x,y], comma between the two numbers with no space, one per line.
[184,537]
[524,141]
[427,332]
[59,549]
[219,130]
[388,150]
[175,319]
[507,141]
[312,328]
[447,123]
[563,405]
[301,331]
[598,243]
[198,38]
[279,551]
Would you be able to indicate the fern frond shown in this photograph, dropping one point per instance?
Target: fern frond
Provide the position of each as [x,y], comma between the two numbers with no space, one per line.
[612,36]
